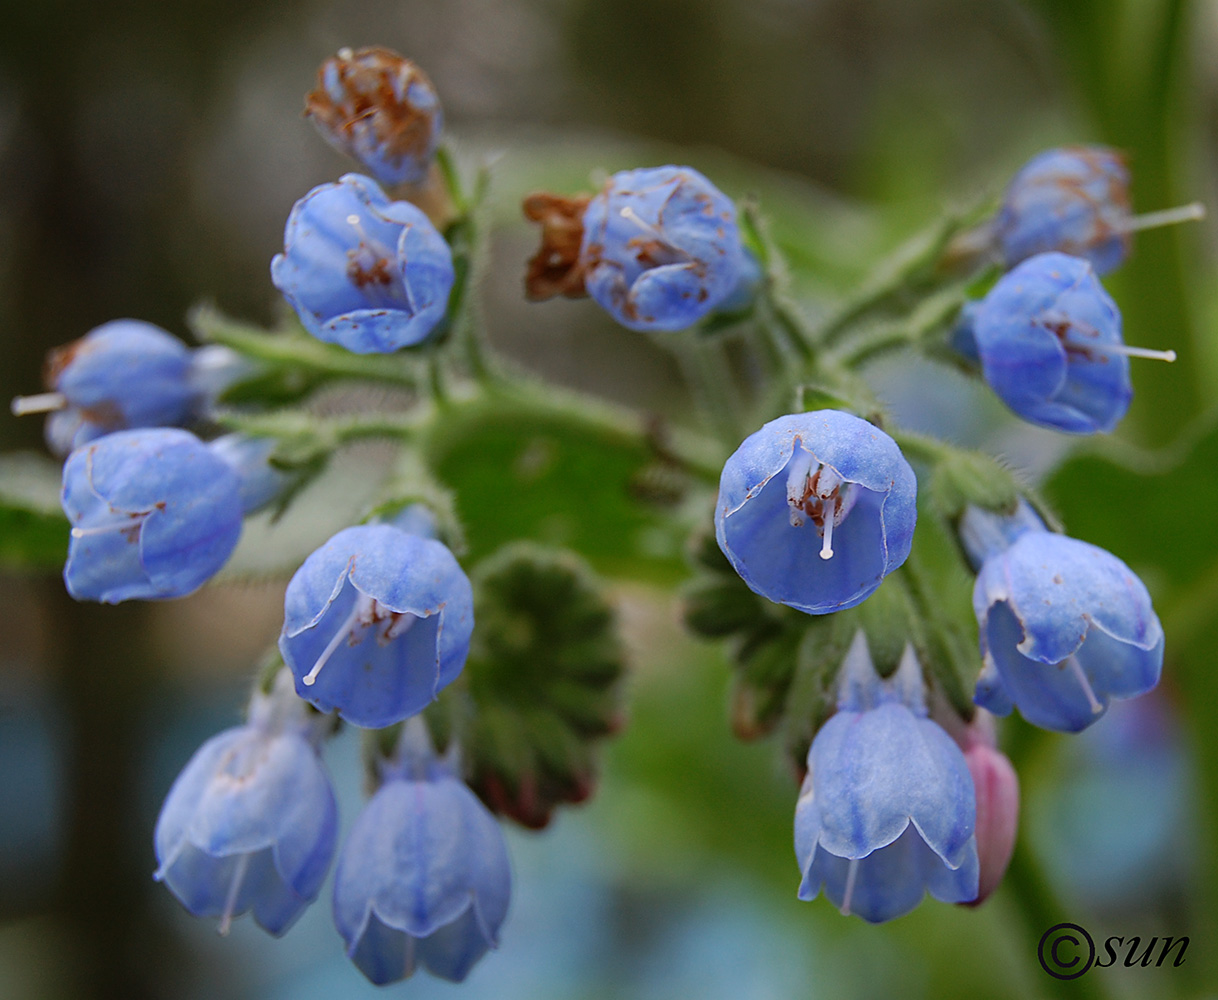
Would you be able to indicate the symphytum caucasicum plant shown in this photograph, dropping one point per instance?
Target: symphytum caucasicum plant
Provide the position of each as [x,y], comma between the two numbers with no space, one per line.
[484,682]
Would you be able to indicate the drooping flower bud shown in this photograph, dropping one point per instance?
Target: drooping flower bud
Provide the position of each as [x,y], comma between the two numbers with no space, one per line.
[996,786]
[381,110]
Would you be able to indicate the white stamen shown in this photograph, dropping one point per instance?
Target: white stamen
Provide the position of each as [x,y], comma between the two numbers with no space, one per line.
[1165,217]
[401,625]
[1136,352]
[344,630]
[647,227]
[353,220]
[1087,337]
[826,548]
[851,873]
[797,478]
[234,890]
[1076,668]
[43,402]
[105,529]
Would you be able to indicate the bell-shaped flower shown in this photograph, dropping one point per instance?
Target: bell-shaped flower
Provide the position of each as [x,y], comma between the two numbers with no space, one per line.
[381,110]
[362,271]
[661,248]
[376,622]
[1049,338]
[886,812]
[1065,627]
[1073,199]
[815,509]
[250,823]
[154,514]
[423,877]
[124,374]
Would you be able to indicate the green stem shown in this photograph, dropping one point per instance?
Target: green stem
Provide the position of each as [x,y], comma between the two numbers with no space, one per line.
[913,266]
[297,349]
[709,379]
[330,433]
[452,179]
[436,379]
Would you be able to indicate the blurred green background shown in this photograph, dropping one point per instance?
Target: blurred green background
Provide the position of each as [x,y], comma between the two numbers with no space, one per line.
[149,154]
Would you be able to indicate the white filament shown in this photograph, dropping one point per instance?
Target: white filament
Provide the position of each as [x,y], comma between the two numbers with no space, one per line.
[826,548]
[851,874]
[647,227]
[234,890]
[124,524]
[1165,217]
[1137,352]
[344,630]
[1076,668]
[43,402]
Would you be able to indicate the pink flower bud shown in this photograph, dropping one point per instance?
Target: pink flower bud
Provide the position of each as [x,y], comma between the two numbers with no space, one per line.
[997,788]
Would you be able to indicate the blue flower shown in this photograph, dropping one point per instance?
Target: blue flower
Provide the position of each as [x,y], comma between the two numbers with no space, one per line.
[123,374]
[376,622]
[249,457]
[381,110]
[1065,627]
[1049,338]
[1074,199]
[251,821]
[887,810]
[154,514]
[423,878]
[362,271]
[661,249]
[815,509]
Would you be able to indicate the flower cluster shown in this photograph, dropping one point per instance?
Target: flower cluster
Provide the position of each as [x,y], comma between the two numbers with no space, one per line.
[834,572]
[816,509]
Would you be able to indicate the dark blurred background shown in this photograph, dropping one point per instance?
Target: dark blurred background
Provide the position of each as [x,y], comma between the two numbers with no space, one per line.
[149,155]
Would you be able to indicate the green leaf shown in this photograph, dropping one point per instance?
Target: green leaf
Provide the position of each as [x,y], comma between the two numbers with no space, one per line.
[543,675]
[33,529]
[559,479]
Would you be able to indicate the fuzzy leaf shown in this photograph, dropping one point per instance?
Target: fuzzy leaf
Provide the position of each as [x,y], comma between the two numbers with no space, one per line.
[543,676]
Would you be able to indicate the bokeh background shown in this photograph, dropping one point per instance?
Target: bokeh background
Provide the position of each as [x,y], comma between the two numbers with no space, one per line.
[149,154]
